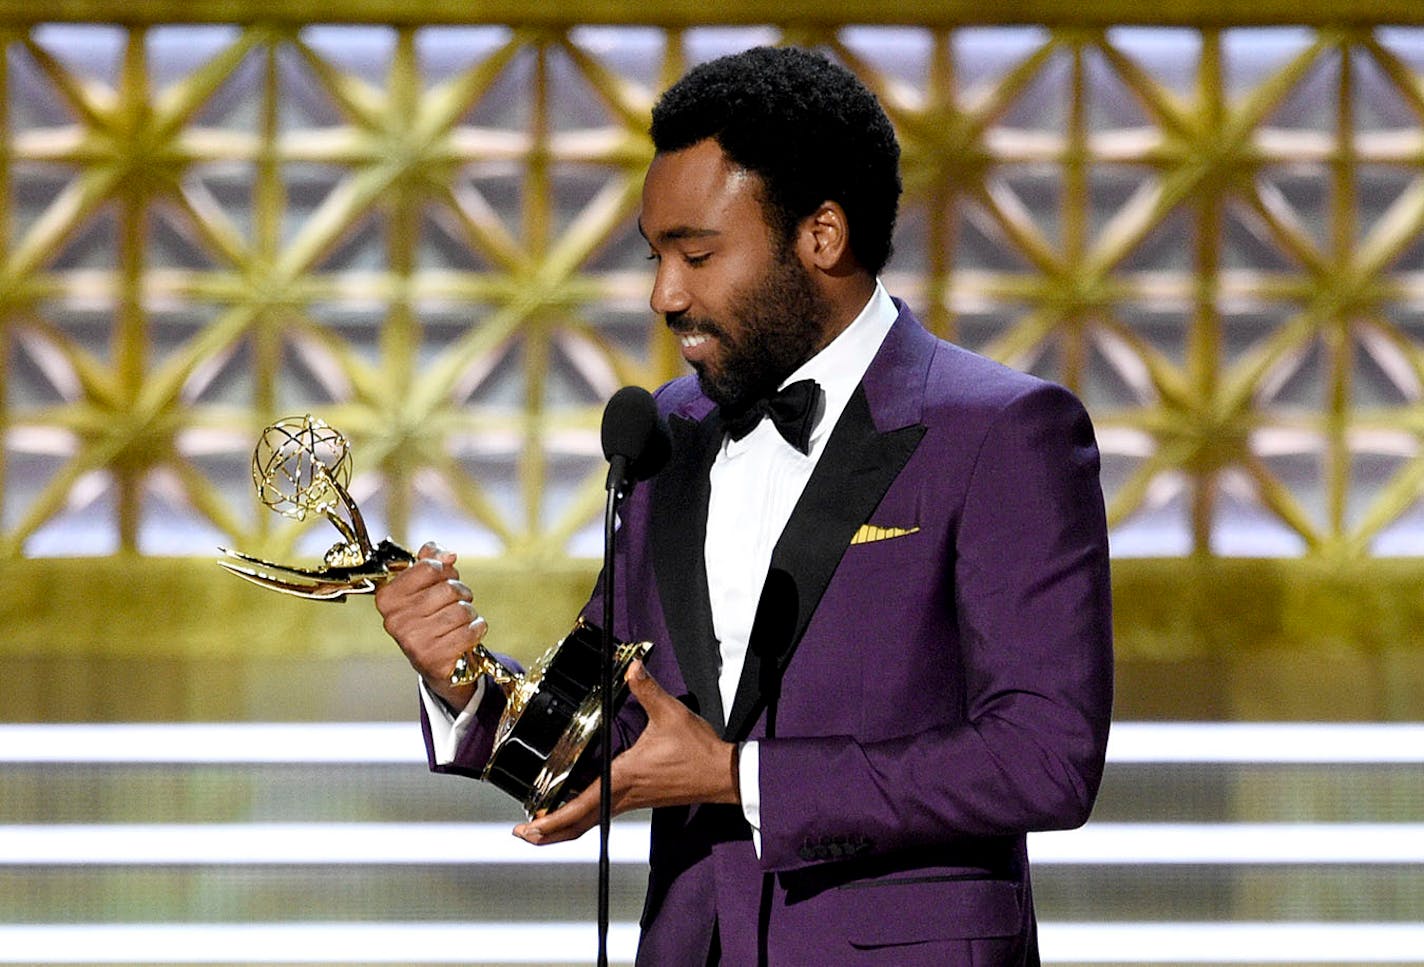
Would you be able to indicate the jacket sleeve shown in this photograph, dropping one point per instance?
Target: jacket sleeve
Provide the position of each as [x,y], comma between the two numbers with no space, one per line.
[1032,621]
[475,740]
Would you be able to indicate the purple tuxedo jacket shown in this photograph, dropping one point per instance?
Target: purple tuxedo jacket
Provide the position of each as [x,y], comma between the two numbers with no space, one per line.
[921,699]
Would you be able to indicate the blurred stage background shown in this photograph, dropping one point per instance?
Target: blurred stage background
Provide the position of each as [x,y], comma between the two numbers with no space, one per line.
[416,220]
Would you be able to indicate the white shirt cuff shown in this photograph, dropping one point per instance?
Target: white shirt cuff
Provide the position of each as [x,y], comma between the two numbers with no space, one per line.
[447,731]
[748,776]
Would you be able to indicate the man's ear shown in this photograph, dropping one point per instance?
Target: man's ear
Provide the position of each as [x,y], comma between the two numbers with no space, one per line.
[823,240]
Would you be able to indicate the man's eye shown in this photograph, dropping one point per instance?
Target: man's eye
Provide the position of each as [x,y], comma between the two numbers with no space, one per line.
[696,260]
[653,257]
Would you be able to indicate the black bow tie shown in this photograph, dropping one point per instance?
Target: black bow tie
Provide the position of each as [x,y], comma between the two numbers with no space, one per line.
[792,411]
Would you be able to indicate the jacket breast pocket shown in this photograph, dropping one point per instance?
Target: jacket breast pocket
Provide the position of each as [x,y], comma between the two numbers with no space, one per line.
[910,552]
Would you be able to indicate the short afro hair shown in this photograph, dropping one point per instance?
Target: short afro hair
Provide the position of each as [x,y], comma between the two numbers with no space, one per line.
[809,128]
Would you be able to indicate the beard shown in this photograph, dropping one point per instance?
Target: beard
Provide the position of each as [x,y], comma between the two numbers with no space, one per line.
[779,322]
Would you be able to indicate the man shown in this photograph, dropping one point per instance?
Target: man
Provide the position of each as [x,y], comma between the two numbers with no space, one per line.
[888,609]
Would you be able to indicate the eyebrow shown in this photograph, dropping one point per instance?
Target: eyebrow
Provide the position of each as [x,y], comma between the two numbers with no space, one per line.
[678,233]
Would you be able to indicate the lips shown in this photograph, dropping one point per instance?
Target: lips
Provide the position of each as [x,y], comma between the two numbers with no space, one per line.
[697,340]
[697,347]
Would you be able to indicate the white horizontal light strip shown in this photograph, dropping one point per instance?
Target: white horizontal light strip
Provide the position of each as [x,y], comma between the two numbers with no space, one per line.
[1267,742]
[375,844]
[391,844]
[1232,943]
[314,943]
[1231,844]
[240,743]
[400,743]
[551,943]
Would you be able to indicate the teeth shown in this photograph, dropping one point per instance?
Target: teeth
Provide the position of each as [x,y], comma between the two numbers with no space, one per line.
[693,339]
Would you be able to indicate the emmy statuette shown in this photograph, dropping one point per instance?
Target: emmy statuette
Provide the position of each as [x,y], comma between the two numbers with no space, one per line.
[544,750]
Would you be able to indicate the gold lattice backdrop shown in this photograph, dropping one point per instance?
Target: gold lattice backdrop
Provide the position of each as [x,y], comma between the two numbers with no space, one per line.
[426,236]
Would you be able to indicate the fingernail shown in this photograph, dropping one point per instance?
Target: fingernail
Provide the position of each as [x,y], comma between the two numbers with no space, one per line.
[638,671]
[433,562]
[461,588]
[469,606]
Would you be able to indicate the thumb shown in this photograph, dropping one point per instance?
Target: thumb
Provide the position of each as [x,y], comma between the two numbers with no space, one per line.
[644,687]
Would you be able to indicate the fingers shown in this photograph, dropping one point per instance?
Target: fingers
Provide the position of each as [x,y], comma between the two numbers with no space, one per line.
[677,760]
[433,551]
[569,821]
[400,591]
[580,814]
[457,619]
[424,592]
[431,614]
[430,584]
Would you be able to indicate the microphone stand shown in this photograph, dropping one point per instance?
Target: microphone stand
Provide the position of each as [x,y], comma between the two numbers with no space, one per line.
[632,434]
[617,470]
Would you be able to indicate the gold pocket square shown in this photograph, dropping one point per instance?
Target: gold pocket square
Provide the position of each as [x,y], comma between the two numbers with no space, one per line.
[871,532]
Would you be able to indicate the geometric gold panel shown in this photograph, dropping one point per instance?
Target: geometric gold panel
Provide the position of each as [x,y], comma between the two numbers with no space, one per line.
[425,234]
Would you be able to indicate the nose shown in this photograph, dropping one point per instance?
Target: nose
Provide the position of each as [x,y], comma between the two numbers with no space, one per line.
[669,295]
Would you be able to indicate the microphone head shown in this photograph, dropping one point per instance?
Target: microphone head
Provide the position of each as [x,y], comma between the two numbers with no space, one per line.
[633,430]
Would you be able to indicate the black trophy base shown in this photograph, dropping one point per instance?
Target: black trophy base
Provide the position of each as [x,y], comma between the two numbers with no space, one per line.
[549,752]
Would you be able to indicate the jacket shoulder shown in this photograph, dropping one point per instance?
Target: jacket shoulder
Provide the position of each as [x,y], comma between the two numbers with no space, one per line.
[960,378]
[682,397]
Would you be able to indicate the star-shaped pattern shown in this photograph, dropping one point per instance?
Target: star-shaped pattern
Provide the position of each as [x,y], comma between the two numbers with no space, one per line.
[425,235]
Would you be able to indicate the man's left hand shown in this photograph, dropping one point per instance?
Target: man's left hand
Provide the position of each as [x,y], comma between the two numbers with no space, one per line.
[677,761]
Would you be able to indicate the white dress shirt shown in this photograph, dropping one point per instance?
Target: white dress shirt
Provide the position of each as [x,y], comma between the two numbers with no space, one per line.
[755,484]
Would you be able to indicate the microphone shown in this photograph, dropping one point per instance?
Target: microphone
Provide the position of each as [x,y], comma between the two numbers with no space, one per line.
[635,441]
[637,444]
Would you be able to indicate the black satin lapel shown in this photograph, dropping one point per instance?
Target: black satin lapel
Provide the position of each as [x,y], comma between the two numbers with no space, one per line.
[850,479]
[679,520]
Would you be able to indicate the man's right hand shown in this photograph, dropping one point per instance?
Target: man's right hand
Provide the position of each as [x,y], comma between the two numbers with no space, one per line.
[430,613]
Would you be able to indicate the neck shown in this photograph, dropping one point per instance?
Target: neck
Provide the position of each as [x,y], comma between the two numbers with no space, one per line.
[845,296]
